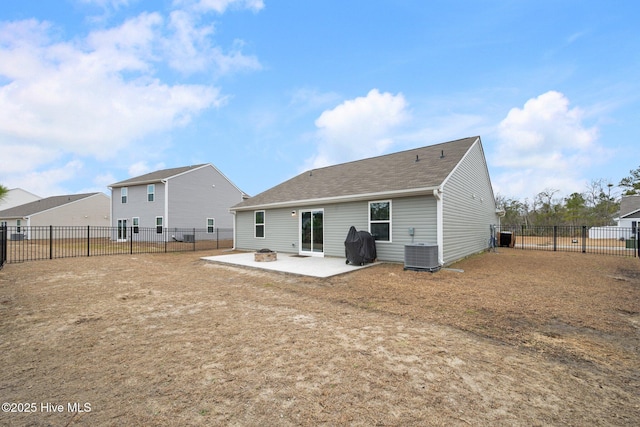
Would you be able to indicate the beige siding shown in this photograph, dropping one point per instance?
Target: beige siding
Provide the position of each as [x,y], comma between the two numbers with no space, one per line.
[468,207]
[93,211]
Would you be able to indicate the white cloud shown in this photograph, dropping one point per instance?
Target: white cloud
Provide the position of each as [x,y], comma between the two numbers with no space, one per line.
[96,96]
[220,6]
[358,128]
[142,167]
[46,183]
[544,145]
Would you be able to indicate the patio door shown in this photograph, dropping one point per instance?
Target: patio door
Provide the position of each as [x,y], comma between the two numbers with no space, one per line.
[312,232]
[122,229]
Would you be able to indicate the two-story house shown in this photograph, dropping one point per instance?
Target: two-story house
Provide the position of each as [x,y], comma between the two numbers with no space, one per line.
[186,197]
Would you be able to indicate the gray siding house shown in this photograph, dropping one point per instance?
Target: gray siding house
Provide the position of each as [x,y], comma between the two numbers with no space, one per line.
[439,194]
[196,196]
[630,212]
[89,209]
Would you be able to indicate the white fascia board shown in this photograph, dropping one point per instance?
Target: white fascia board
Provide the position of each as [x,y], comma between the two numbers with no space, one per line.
[341,199]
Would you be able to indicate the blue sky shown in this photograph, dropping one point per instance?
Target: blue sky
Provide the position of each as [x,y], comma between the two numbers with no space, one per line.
[96,91]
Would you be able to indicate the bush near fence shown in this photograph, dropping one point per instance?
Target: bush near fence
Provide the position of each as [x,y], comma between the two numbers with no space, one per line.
[595,240]
[51,242]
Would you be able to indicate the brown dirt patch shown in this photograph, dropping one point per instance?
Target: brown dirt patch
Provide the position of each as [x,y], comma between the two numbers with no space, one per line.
[518,338]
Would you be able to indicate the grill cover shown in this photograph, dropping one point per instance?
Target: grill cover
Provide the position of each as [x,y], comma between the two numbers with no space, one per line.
[359,247]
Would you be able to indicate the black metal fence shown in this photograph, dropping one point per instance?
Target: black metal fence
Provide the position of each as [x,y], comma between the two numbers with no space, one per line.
[3,245]
[50,242]
[619,241]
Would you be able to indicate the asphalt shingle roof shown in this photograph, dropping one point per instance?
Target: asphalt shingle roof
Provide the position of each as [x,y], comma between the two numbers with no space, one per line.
[42,205]
[156,176]
[419,168]
[629,204]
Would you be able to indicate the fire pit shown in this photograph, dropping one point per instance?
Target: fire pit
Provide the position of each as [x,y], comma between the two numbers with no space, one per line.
[265,255]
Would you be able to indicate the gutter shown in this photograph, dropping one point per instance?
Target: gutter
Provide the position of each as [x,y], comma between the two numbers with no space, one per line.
[341,199]
[437,194]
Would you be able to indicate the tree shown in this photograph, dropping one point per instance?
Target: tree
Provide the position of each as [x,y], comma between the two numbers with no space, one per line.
[575,208]
[631,183]
[3,191]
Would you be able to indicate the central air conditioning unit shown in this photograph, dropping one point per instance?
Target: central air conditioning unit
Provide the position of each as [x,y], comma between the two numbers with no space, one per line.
[421,257]
[189,238]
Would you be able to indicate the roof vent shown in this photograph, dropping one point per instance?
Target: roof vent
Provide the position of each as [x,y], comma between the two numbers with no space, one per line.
[417,158]
[442,154]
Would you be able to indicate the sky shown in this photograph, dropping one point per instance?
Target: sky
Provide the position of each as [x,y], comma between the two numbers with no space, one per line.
[93,92]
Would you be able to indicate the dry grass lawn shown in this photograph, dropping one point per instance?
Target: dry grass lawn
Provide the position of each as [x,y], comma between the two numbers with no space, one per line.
[518,338]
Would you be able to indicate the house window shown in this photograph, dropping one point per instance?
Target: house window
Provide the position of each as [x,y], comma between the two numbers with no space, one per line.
[151,192]
[159,224]
[259,224]
[136,224]
[123,194]
[18,224]
[380,220]
[211,225]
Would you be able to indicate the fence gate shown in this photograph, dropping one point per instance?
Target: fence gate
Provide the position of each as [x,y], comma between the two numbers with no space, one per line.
[3,245]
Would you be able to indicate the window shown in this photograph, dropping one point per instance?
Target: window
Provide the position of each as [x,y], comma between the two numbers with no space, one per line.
[211,225]
[18,224]
[380,220]
[123,194]
[159,224]
[151,192]
[259,224]
[136,224]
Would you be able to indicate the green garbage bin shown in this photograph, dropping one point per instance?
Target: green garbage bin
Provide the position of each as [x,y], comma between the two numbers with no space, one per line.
[630,243]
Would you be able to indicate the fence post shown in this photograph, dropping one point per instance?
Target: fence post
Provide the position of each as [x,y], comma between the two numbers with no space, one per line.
[3,245]
[584,239]
[51,242]
[130,240]
[194,239]
[217,238]
[88,240]
[555,238]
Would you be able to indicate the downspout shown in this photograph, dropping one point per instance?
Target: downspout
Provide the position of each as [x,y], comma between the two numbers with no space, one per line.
[437,193]
[233,248]
[166,202]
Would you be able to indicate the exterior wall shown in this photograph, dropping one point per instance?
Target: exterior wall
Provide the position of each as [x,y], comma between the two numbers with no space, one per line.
[138,206]
[201,194]
[468,208]
[16,197]
[282,229]
[93,211]
[193,197]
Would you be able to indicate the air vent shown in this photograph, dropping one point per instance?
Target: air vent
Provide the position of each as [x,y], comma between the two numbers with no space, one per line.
[421,257]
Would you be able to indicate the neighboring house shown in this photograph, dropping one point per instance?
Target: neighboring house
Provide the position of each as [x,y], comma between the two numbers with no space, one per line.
[90,209]
[16,197]
[439,194]
[185,197]
[629,212]
[628,221]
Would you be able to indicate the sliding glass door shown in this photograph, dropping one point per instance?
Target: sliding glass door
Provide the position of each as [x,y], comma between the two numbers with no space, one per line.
[312,232]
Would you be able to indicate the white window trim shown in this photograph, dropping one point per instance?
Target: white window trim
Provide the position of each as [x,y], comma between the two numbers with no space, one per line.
[124,195]
[161,223]
[264,225]
[151,193]
[390,220]
[213,225]
[135,224]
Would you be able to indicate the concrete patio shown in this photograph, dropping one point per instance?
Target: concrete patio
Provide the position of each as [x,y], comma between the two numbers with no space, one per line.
[291,263]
